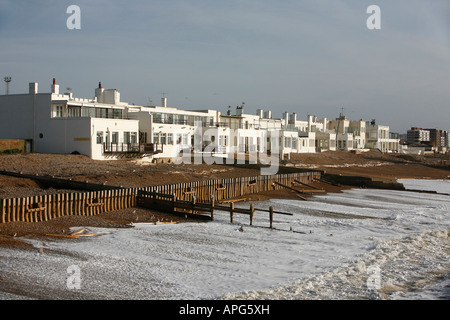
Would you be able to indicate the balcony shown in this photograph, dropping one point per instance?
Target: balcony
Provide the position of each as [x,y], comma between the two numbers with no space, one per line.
[132,148]
[215,124]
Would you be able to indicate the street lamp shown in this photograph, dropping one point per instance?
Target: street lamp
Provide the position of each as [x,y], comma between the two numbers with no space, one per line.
[7,80]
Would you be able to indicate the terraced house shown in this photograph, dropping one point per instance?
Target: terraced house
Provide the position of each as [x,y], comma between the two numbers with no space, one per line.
[104,127]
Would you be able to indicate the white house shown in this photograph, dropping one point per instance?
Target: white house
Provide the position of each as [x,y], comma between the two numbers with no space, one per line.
[180,131]
[60,123]
[378,137]
[350,135]
[305,139]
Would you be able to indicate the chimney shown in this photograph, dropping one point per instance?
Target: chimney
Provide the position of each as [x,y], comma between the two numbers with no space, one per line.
[286,118]
[164,102]
[55,87]
[33,88]
[99,93]
[293,118]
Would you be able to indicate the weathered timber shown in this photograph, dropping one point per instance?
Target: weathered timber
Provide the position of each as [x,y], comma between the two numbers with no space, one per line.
[290,188]
[308,185]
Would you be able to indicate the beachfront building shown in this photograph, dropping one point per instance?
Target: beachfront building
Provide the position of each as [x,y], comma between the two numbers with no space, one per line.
[179,131]
[305,140]
[350,135]
[325,140]
[57,122]
[105,127]
[379,137]
[261,133]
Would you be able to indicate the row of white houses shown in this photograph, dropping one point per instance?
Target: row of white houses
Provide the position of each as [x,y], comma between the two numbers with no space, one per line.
[106,128]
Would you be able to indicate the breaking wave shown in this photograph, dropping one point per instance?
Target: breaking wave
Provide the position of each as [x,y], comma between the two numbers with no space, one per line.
[415,266]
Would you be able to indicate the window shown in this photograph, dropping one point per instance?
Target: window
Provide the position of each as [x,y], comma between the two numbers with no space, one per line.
[74,112]
[223,141]
[117,114]
[133,137]
[59,111]
[157,118]
[115,137]
[163,138]
[100,112]
[88,112]
[287,142]
[126,137]
[169,138]
[179,137]
[99,137]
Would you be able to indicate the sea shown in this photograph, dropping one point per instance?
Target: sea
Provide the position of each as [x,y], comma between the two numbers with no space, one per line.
[361,244]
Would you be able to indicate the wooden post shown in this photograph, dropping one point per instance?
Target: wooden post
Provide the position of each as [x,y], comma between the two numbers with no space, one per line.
[14,207]
[46,211]
[26,204]
[2,209]
[8,210]
[79,203]
[22,202]
[271,217]
[231,211]
[109,200]
[212,207]
[71,204]
[252,210]
[66,204]
[57,205]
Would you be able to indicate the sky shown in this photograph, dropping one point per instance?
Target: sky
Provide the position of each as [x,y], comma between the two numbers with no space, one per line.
[309,57]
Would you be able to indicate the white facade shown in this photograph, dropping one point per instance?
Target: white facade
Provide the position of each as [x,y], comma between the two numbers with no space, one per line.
[59,123]
[350,135]
[106,128]
[378,137]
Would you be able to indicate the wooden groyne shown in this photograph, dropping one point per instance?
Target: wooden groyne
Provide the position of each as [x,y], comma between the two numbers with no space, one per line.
[231,188]
[47,207]
[58,183]
[358,181]
[171,204]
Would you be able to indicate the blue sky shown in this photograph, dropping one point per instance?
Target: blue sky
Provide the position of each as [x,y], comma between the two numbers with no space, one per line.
[308,57]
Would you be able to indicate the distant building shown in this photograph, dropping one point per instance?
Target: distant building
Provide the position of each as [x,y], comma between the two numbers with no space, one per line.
[378,137]
[435,138]
[417,136]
